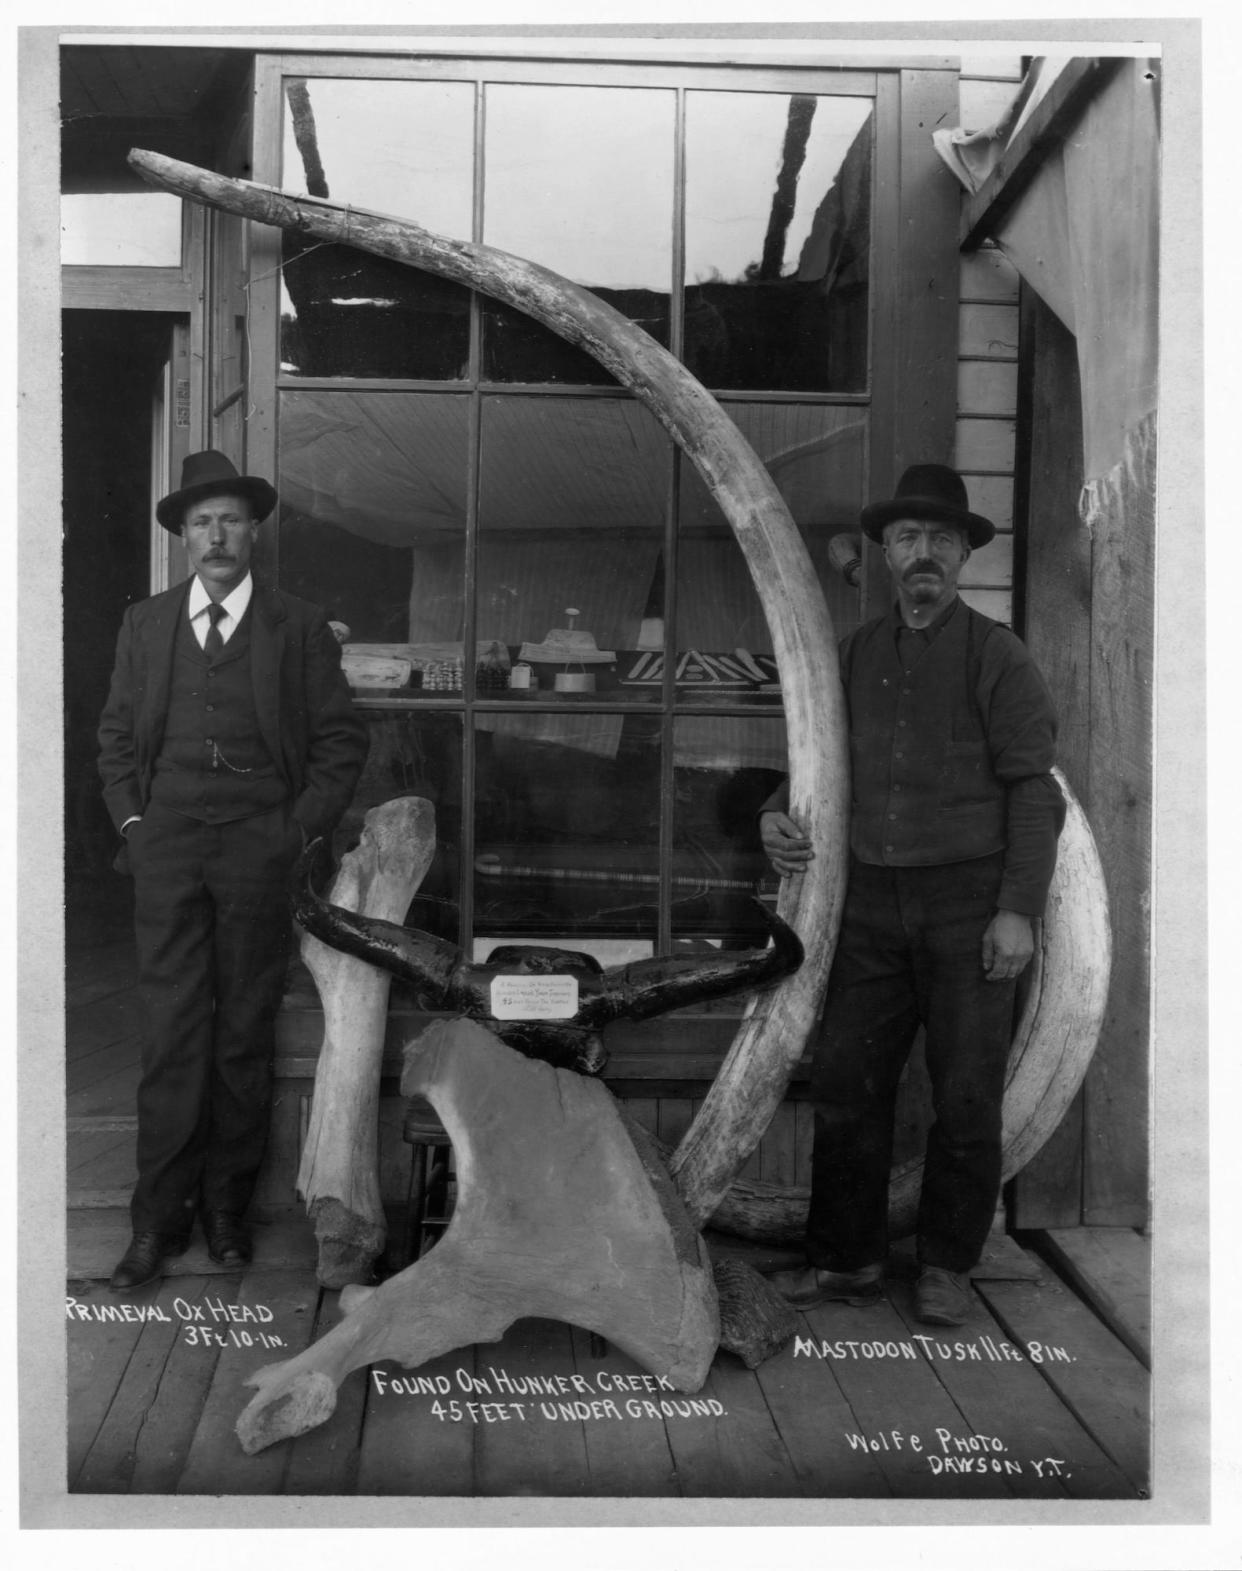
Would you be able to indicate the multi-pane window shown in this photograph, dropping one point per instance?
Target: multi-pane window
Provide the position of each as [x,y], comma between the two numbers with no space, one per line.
[585,681]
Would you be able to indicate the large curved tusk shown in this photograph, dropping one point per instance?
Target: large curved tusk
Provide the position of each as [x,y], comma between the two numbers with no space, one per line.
[756,1070]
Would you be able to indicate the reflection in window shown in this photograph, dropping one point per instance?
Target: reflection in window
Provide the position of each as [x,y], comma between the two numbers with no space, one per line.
[725,768]
[567,825]
[373,510]
[778,202]
[405,148]
[572,504]
[120,229]
[581,180]
[816,454]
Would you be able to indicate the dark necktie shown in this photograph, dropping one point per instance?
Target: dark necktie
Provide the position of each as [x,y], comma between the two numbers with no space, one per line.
[214,642]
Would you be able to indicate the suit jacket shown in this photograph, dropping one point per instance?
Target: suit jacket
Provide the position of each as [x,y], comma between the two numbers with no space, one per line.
[317,740]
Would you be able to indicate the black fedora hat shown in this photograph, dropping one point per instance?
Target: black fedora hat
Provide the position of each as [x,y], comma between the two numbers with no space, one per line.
[212,474]
[932,491]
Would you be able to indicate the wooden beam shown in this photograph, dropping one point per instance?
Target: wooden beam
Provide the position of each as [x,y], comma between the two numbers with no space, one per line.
[125,289]
[1049,124]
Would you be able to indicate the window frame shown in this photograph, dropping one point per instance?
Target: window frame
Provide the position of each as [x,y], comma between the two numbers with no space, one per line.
[912,336]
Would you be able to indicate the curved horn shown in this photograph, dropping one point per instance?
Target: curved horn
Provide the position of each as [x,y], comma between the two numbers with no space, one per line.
[753,1077]
[422,959]
[649,987]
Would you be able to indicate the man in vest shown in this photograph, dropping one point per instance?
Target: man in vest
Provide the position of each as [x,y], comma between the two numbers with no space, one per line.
[228,742]
[953,832]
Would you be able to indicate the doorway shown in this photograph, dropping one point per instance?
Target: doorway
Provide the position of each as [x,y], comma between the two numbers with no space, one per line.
[115,366]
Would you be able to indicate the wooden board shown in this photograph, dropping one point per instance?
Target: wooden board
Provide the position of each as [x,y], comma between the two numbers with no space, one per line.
[326,1461]
[812,1414]
[1111,1267]
[737,1453]
[892,1398]
[1011,1402]
[98,1353]
[1105,1388]
[630,1455]
[407,1449]
[215,1463]
[539,1456]
[1057,628]
[1115,1177]
[140,1445]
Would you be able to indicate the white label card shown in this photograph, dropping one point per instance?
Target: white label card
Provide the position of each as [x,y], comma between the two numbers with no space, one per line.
[534,997]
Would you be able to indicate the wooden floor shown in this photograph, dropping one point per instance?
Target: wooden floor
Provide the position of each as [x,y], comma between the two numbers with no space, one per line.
[1040,1396]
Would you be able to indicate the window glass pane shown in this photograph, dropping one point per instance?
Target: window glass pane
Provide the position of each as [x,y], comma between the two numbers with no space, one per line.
[120,229]
[417,754]
[725,768]
[816,454]
[572,501]
[567,826]
[580,179]
[373,515]
[405,148]
[778,230]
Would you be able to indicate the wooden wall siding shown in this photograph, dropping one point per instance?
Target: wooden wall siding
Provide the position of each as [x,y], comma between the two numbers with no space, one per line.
[987,367]
[1089,624]
[1048,1192]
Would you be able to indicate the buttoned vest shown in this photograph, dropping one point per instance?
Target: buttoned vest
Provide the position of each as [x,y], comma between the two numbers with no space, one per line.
[213,763]
[924,792]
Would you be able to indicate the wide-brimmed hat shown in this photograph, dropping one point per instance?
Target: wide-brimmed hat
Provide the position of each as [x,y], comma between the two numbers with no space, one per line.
[212,474]
[932,491]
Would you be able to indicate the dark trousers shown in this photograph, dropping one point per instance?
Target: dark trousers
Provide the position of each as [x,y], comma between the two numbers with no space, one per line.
[213,929]
[909,954]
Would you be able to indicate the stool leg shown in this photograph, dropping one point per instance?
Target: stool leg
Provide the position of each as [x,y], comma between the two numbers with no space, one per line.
[416,1204]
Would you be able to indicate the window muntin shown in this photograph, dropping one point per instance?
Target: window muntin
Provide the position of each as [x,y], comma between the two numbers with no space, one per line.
[816,454]
[596,748]
[567,825]
[405,148]
[725,768]
[373,510]
[573,496]
[600,161]
[778,234]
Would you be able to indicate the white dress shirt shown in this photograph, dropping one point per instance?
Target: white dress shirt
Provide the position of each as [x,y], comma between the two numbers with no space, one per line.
[234,609]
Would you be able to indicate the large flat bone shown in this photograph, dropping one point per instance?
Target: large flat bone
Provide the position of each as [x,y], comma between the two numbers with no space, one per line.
[339,1173]
[559,1215]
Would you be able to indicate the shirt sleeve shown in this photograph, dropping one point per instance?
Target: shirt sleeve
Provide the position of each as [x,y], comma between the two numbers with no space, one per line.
[1022,734]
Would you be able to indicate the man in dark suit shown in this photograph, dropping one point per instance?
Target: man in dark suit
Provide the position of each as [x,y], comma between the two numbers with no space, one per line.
[228,742]
[954,821]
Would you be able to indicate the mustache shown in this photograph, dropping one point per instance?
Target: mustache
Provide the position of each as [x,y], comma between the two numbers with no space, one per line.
[218,556]
[923,565]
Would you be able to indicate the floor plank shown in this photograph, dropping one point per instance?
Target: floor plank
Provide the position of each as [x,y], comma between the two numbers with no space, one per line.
[98,1352]
[1106,1388]
[409,1445]
[141,1443]
[812,1414]
[324,1461]
[1111,1266]
[547,1453]
[893,1397]
[736,1451]
[1008,1401]
[628,1455]
[216,1463]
